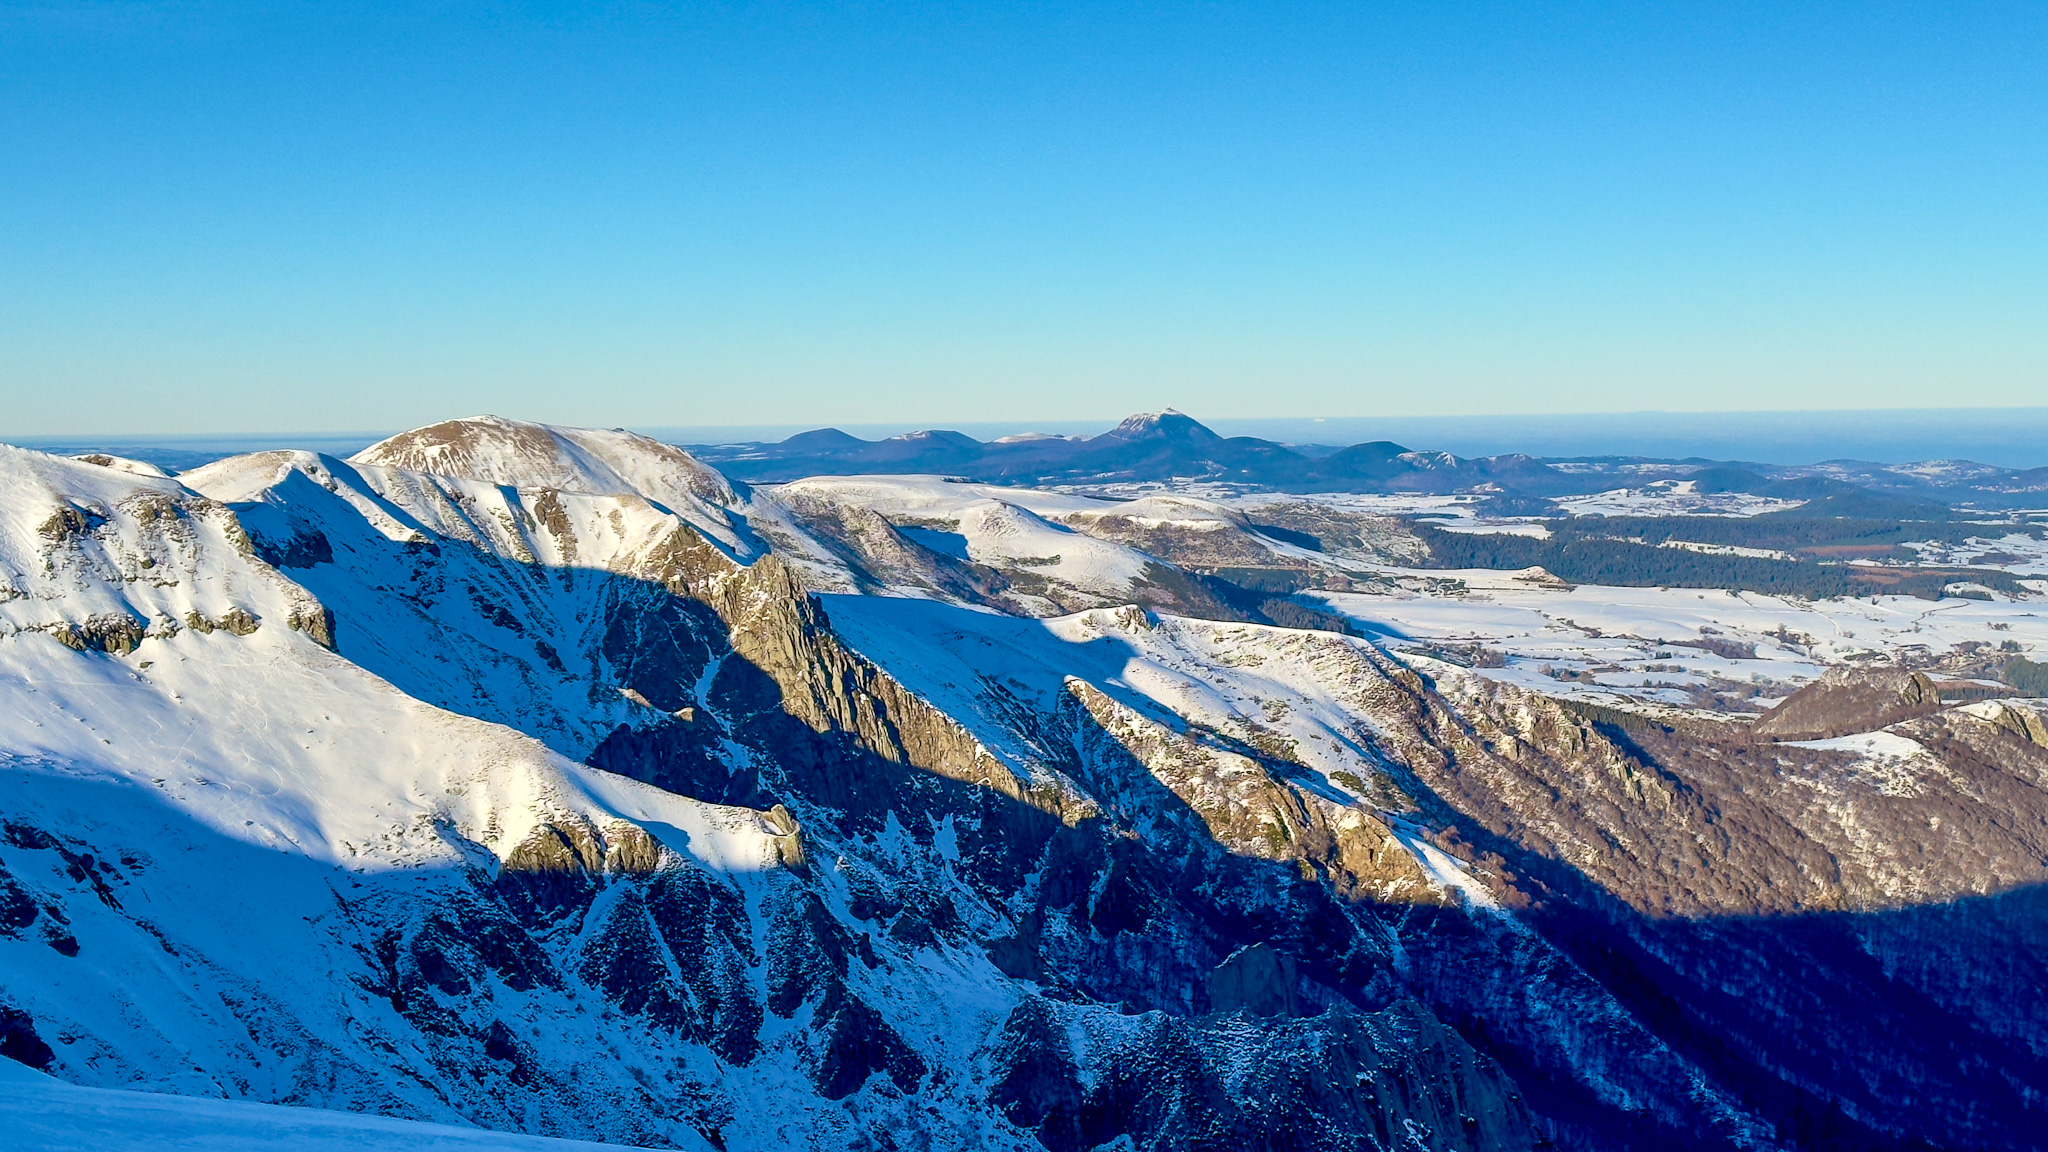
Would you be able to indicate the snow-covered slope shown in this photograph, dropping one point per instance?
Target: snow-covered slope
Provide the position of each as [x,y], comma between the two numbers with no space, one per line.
[1008,527]
[122,464]
[487,599]
[588,461]
[234,801]
[1003,530]
[1029,551]
[42,1114]
[1223,703]
[92,556]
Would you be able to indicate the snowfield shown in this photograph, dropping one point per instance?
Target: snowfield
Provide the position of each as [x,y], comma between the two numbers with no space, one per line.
[1672,498]
[41,1114]
[1643,637]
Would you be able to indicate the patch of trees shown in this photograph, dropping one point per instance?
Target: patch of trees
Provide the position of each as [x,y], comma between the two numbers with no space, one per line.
[1577,556]
[2027,676]
[1787,532]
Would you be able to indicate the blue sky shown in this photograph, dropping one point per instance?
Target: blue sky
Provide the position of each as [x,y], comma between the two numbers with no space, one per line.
[221,217]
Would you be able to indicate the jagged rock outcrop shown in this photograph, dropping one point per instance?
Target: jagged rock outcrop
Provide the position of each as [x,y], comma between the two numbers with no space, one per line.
[1391,1079]
[1850,700]
[2026,719]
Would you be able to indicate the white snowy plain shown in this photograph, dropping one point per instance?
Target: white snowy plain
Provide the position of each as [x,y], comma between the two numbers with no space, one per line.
[1645,631]
[42,1114]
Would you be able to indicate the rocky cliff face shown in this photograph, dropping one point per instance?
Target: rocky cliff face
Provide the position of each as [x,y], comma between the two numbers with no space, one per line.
[1848,700]
[574,815]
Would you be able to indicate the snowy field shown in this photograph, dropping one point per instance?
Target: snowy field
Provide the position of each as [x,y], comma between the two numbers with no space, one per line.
[40,1114]
[1671,498]
[1660,498]
[1642,642]
[2019,554]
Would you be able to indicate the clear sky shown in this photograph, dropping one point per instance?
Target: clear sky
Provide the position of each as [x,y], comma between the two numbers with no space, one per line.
[222,217]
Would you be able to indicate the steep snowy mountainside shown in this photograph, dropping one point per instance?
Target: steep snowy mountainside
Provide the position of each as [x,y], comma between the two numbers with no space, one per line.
[93,556]
[42,1114]
[576,611]
[496,601]
[1266,735]
[476,930]
[573,460]
[196,808]
[1300,699]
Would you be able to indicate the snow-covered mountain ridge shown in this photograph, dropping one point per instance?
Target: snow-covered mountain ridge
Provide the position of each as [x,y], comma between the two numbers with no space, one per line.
[471,903]
[543,780]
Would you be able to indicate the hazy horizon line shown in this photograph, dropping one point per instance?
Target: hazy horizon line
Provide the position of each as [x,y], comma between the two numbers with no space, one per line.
[1026,423]
[2005,437]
